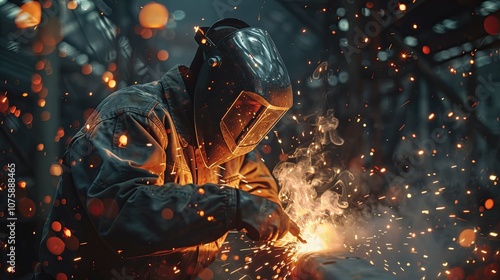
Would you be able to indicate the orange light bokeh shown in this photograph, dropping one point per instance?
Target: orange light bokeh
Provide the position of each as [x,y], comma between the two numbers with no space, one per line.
[29,15]
[467,237]
[72,4]
[4,104]
[489,203]
[45,116]
[112,84]
[153,15]
[86,69]
[55,169]
[167,214]
[55,245]
[27,118]
[107,76]
[40,147]
[56,226]
[36,79]
[61,276]
[40,65]
[162,55]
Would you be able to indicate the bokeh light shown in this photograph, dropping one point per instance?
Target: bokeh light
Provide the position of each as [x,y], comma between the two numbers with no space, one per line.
[492,25]
[95,207]
[29,15]
[162,55]
[112,84]
[206,274]
[55,245]
[55,169]
[61,276]
[153,15]
[72,4]
[4,104]
[167,214]
[467,237]
[56,226]
[86,69]
[49,37]
[489,203]
[45,115]
[27,118]
[456,273]
[27,207]
[107,76]
[426,50]
[47,199]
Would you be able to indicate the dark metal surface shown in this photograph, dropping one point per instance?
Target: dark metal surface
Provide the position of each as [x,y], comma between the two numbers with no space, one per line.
[336,266]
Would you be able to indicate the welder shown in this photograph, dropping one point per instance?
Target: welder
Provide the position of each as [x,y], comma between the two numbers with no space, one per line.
[160,172]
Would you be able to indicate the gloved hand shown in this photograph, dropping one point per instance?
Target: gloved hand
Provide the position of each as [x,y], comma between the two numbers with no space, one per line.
[263,219]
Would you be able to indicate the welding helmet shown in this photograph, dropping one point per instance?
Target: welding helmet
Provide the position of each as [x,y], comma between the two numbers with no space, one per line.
[241,91]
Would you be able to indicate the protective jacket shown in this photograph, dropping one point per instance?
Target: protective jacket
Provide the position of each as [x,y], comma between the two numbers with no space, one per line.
[135,200]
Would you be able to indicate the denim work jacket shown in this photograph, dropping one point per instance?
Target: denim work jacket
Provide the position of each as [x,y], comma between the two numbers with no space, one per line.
[135,200]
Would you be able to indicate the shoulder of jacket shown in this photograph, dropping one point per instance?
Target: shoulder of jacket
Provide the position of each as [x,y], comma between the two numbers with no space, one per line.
[137,99]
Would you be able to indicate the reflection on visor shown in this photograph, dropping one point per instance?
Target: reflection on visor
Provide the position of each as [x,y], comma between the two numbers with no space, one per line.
[248,119]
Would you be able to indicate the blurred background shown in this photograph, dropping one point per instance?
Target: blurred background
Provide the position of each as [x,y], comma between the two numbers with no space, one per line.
[415,85]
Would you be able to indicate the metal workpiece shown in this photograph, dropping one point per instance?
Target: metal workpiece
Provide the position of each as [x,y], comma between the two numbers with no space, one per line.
[336,266]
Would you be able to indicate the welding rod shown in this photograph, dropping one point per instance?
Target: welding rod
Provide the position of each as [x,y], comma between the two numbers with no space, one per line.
[301,239]
[295,231]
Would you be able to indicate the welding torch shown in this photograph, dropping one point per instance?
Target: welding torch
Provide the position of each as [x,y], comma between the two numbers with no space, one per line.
[295,231]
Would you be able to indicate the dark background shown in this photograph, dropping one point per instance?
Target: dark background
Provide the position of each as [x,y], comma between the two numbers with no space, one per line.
[414,84]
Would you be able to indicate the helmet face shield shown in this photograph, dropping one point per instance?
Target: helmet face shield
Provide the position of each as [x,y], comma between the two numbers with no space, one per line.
[248,120]
[242,90]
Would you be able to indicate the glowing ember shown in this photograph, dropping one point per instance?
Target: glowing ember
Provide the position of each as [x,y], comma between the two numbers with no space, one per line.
[122,141]
[4,104]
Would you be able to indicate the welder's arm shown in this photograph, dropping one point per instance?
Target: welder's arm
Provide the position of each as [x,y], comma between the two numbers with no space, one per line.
[118,168]
[258,180]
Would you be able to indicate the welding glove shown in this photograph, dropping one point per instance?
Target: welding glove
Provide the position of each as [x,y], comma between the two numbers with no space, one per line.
[263,219]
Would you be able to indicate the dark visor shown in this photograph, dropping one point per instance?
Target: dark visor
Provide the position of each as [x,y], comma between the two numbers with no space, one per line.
[248,120]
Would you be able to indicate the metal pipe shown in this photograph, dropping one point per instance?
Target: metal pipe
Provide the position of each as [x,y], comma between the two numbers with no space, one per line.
[336,266]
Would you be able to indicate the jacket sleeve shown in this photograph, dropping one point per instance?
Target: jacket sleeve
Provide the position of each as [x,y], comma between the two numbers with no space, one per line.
[257,178]
[118,170]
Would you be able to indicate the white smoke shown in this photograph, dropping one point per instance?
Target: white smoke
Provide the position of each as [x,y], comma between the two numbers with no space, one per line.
[406,230]
[314,191]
